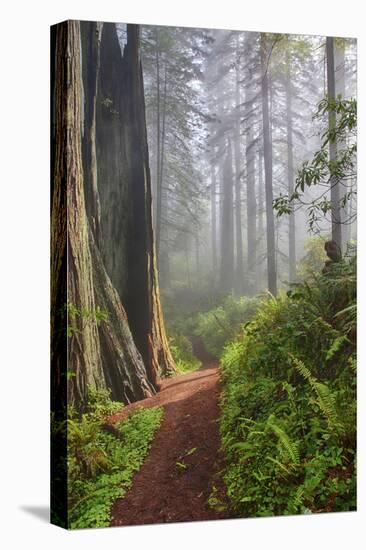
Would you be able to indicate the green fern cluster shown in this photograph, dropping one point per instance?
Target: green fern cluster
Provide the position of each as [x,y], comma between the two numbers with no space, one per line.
[100,465]
[288,407]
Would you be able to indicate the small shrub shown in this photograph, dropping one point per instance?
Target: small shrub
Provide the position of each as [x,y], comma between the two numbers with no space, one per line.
[100,403]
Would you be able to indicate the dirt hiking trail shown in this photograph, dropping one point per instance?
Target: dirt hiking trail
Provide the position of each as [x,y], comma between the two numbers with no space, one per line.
[173,485]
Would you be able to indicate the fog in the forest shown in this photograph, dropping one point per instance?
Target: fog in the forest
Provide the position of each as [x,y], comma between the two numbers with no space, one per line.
[212,98]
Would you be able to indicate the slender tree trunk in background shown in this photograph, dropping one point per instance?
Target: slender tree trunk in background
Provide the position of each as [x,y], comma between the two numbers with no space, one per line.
[163,128]
[186,255]
[221,152]
[213,221]
[197,252]
[267,150]
[352,205]
[227,227]
[221,198]
[290,172]
[90,40]
[334,185]
[239,267]
[340,89]
[260,232]
[251,202]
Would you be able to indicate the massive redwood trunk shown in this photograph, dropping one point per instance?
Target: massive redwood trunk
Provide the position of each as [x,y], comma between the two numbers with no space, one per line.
[149,332]
[109,264]
[83,344]
[127,241]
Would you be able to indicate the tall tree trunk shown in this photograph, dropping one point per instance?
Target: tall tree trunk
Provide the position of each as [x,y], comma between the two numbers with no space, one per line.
[92,362]
[186,256]
[58,265]
[334,185]
[104,353]
[158,157]
[143,273]
[340,89]
[227,226]
[213,221]
[251,199]
[197,252]
[260,232]
[290,172]
[162,140]
[90,40]
[267,151]
[239,267]
[127,245]
[84,358]
[163,257]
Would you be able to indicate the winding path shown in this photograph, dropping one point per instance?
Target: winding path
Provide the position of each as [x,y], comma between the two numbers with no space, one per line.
[184,462]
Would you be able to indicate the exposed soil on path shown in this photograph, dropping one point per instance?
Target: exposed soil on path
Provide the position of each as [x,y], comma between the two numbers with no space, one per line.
[164,491]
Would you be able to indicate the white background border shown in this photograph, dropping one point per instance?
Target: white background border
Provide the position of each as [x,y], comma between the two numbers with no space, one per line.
[24,273]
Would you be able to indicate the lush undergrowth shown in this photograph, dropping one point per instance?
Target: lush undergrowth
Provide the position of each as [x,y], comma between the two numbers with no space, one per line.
[101,464]
[182,351]
[216,326]
[219,325]
[288,407]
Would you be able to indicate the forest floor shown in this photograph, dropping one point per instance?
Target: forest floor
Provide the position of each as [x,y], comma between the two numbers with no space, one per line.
[184,463]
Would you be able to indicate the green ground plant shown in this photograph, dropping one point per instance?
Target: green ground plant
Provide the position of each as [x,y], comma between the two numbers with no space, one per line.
[101,464]
[288,407]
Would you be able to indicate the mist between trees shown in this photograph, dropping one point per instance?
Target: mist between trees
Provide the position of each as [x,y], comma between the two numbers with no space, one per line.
[230,121]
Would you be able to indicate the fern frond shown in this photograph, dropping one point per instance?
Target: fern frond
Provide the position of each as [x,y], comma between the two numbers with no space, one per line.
[296,501]
[290,448]
[336,346]
[324,397]
[287,469]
